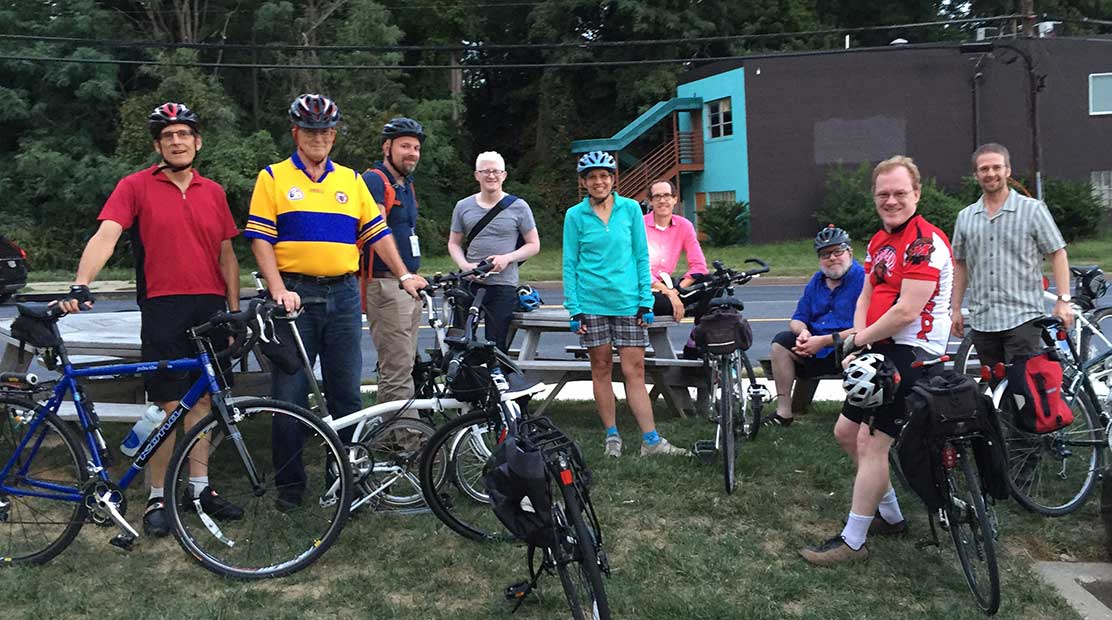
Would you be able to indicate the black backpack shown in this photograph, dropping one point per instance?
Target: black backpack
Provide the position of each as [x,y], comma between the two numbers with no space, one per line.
[945,405]
[516,471]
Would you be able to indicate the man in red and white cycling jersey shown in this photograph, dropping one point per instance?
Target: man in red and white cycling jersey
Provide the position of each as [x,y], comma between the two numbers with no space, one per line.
[903,313]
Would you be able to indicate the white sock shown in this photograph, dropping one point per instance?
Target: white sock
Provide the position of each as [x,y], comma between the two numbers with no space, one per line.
[890,507]
[156,493]
[198,484]
[856,529]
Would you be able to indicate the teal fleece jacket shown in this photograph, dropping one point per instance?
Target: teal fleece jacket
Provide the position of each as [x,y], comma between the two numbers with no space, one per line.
[606,266]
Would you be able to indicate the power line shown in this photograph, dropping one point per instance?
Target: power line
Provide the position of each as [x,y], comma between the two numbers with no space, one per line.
[503,47]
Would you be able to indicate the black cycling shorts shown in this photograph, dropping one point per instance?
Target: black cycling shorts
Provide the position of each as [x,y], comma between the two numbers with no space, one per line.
[164,336]
[807,367]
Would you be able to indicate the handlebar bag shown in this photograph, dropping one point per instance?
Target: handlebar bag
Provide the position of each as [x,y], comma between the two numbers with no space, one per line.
[282,350]
[35,332]
[513,473]
[1035,384]
[723,332]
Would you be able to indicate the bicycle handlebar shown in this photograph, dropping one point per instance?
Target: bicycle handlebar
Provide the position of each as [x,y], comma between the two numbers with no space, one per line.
[724,276]
[440,281]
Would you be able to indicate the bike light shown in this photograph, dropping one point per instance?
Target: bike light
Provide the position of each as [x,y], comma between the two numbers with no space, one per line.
[998,370]
[1060,335]
[565,477]
[949,457]
[986,373]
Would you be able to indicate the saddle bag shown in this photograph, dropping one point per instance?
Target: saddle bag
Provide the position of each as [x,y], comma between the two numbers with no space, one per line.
[1035,383]
[514,477]
[35,332]
[723,332]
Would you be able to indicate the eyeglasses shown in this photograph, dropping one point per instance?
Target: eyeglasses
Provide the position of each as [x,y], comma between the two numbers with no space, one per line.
[900,196]
[835,253]
[661,196]
[491,173]
[181,134]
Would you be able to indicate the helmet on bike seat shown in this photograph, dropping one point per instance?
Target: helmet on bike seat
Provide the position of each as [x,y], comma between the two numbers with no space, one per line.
[528,299]
[596,159]
[171,113]
[312,111]
[402,126]
[870,381]
[831,236]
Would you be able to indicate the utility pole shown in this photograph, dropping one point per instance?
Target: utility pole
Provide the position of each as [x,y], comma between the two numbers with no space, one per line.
[1027,10]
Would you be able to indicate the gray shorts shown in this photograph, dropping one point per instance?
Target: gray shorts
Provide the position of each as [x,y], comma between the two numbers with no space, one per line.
[620,331]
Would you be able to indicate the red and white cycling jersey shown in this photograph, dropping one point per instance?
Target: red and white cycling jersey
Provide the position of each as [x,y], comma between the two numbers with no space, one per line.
[916,250]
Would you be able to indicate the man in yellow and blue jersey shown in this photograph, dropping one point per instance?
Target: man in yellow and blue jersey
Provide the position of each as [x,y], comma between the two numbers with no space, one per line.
[309,220]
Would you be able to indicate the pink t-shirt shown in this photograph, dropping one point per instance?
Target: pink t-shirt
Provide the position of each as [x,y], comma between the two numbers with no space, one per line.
[665,247]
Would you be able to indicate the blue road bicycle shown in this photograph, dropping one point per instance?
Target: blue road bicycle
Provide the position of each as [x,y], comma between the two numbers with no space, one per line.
[53,480]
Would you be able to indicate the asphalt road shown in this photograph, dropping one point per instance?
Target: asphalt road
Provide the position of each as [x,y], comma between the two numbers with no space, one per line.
[767,307]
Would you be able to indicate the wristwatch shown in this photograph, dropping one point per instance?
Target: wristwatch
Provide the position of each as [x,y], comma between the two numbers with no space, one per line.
[1066,298]
[405,276]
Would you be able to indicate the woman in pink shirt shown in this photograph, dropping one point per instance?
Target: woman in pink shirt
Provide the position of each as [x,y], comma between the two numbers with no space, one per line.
[669,235]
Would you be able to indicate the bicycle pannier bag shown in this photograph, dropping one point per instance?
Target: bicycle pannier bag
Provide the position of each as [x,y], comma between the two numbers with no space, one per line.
[1036,385]
[34,332]
[723,332]
[514,477]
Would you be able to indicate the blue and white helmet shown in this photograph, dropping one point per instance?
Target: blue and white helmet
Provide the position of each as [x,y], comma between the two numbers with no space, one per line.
[528,299]
[596,159]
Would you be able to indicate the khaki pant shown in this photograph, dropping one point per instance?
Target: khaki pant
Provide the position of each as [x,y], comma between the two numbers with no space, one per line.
[394,317]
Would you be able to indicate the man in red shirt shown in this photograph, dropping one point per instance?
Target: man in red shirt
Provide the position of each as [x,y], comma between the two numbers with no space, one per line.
[903,314]
[181,234]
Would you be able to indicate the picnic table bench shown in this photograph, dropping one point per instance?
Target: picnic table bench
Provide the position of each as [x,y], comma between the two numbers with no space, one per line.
[670,375]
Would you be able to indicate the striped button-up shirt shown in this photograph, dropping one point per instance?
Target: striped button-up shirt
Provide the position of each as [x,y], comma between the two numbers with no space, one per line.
[1003,256]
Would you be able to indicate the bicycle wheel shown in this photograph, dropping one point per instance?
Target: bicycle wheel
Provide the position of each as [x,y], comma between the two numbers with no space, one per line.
[973,533]
[966,361]
[577,559]
[1053,473]
[1097,341]
[728,404]
[288,522]
[387,460]
[35,529]
[451,476]
[708,398]
[749,422]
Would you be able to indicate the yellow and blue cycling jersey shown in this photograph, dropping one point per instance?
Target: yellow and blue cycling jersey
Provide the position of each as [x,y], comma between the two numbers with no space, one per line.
[317,227]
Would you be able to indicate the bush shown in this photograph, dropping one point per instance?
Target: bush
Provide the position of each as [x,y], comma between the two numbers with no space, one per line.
[433,235]
[848,203]
[725,223]
[1076,211]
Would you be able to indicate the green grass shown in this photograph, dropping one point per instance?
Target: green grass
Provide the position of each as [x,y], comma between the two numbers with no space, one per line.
[679,548]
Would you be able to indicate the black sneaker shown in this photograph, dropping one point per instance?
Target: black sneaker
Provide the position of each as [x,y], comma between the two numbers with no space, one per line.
[880,527]
[155,522]
[214,506]
[288,502]
[777,420]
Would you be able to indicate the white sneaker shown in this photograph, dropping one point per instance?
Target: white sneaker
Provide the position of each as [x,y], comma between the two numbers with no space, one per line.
[663,448]
[613,446]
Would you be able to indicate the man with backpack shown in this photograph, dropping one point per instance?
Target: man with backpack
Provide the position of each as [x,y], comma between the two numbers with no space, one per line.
[489,226]
[999,245]
[393,315]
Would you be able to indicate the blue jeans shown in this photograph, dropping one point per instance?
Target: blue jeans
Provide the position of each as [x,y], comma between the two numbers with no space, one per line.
[331,331]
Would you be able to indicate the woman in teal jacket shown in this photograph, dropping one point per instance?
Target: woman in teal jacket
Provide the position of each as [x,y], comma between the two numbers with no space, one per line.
[607,291]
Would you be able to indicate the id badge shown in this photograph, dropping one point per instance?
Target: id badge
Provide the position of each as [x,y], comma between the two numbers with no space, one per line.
[414,246]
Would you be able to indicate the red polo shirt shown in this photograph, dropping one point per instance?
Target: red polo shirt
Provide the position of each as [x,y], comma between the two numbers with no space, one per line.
[177,249]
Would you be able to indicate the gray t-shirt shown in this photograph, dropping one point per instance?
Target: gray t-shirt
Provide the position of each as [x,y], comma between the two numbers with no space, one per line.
[498,237]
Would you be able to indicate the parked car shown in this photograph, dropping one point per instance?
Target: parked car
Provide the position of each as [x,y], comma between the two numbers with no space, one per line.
[13,268]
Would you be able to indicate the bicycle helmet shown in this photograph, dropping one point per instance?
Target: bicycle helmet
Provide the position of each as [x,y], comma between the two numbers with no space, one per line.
[313,111]
[402,126]
[870,381]
[1091,283]
[830,236]
[528,299]
[171,113]
[596,159]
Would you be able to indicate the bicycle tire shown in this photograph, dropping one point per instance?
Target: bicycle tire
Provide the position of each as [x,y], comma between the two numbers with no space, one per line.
[727,436]
[966,361]
[1089,349]
[973,534]
[33,530]
[710,396]
[274,537]
[455,507]
[1039,474]
[471,448]
[751,413]
[576,559]
[396,444]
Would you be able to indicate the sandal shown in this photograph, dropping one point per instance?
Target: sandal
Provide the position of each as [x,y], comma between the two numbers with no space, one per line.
[777,420]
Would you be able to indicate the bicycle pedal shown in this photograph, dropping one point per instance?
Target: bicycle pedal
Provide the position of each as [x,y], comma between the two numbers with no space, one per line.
[705,451]
[123,541]
[517,591]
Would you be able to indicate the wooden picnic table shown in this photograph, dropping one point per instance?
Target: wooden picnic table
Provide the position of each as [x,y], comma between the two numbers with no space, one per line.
[669,374]
[94,338]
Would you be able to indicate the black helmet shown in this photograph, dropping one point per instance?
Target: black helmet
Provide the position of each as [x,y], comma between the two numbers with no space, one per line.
[402,126]
[171,113]
[314,112]
[830,236]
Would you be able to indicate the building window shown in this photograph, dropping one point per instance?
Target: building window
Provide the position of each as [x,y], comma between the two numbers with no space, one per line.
[1100,93]
[1102,187]
[716,197]
[721,118]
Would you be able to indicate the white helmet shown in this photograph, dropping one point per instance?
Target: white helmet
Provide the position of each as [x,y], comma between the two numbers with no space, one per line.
[870,381]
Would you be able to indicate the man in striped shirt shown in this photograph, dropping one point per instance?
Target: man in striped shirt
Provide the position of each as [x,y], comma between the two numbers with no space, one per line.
[999,243]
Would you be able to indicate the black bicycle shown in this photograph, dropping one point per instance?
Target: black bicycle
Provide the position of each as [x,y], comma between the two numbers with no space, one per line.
[723,336]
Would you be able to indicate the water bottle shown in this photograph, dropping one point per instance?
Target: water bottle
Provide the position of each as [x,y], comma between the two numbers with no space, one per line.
[152,417]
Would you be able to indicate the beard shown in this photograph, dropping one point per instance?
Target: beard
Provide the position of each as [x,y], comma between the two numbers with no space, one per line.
[837,272]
